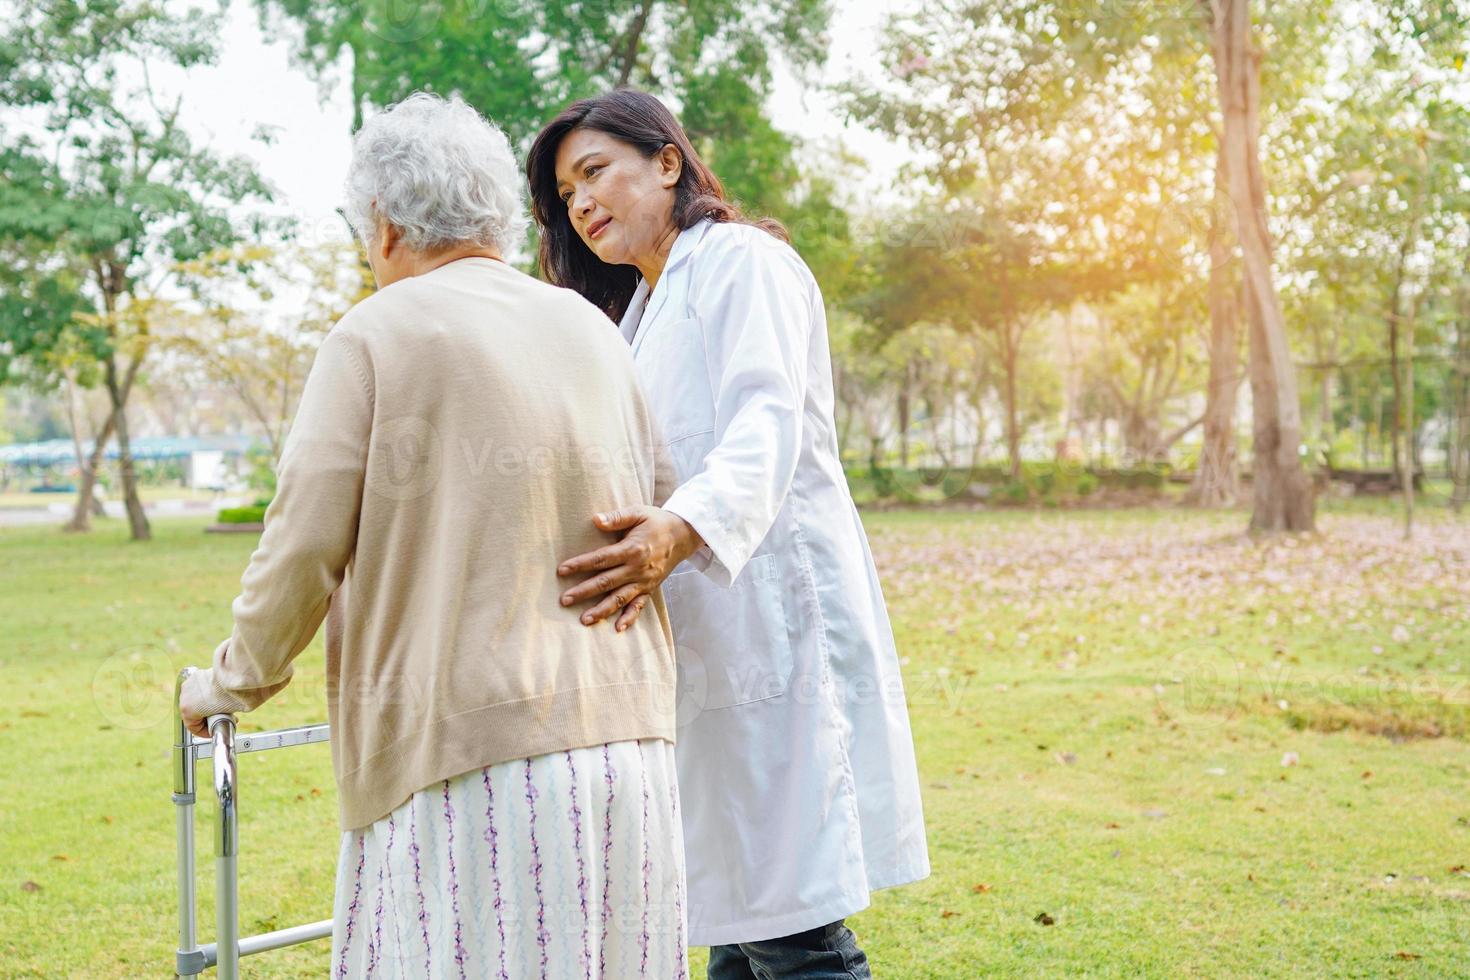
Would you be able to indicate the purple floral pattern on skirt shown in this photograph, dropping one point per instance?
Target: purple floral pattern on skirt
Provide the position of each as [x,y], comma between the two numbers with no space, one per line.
[569,864]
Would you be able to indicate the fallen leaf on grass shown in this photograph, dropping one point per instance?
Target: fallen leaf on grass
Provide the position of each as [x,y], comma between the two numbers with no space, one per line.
[60,857]
[947,914]
[29,886]
[1402,955]
[981,888]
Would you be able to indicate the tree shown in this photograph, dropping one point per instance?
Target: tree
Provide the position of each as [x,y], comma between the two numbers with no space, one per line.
[78,372]
[1383,237]
[521,64]
[952,263]
[46,345]
[1282,490]
[1142,363]
[228,342]
[999,235]
[118,193]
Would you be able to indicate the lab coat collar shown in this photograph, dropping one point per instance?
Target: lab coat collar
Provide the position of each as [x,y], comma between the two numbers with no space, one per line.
[629,324]
[682,248]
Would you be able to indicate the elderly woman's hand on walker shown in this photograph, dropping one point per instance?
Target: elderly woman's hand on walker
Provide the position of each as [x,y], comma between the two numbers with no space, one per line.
[628,572]
[195,722]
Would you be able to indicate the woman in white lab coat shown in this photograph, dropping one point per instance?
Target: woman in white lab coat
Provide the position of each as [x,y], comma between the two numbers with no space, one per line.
[797,779]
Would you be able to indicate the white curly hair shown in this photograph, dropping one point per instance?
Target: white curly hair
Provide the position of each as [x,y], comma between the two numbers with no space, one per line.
[440,173]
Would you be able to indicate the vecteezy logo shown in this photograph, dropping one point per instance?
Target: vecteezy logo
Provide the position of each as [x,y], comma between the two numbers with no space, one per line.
[1204,688]
[133,687]
[405,460]
[400,21]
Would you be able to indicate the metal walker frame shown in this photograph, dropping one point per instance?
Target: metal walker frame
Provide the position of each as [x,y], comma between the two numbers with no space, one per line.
[192,958]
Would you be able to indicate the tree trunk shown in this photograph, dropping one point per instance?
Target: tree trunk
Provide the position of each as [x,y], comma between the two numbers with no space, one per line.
[1460,447]
[137,520]
[88,506]
[1396,428]
[1409,467]
[1013,427]
[1282,490]
[1395,329]
[904,411]
[1217,477]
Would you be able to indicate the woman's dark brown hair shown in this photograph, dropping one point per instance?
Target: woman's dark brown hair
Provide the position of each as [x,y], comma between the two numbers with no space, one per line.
[639,119]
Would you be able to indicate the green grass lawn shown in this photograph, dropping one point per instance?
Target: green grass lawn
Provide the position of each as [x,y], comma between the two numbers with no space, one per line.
[1195,754]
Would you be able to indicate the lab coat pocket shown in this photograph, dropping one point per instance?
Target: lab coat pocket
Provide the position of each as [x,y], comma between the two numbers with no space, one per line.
[675,378]
[732,646]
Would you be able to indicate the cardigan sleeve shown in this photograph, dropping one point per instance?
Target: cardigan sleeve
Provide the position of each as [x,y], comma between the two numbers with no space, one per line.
[309,537]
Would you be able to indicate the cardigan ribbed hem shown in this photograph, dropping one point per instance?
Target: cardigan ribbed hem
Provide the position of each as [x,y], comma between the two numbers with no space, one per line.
[473,739]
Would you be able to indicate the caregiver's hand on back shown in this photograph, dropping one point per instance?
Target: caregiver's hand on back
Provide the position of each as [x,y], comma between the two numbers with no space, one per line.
[626,573]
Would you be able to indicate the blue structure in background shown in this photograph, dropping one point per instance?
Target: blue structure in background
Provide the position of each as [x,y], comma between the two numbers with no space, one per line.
[56,452]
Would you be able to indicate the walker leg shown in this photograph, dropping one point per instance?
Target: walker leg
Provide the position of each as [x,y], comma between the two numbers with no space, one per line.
[188,962]
[227,941]
[226,850]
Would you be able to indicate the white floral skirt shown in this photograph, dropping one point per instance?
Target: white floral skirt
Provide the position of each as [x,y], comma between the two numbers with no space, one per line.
[567,865]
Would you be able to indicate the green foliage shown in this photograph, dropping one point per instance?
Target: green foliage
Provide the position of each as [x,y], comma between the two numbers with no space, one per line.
[262,465]
[98,212]
[1048,483]
[1014,492]
[1141,478]
[241,515]
[521,63]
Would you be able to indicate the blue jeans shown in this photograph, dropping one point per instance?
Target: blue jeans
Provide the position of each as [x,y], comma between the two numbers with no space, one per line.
[827,952]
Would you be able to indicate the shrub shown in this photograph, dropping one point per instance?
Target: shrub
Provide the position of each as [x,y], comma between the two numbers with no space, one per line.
[956,482]
[1147,478]
[884,485]
[1015,492]
[262,469]
[242,515]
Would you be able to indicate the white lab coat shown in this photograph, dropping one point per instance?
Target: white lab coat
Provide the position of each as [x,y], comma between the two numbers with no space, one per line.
[797,778]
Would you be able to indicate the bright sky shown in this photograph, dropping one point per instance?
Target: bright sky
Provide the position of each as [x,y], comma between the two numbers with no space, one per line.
[254,87]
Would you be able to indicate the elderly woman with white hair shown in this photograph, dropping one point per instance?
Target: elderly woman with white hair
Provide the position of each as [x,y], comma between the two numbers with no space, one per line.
[506,776]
